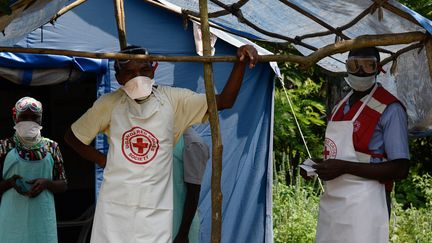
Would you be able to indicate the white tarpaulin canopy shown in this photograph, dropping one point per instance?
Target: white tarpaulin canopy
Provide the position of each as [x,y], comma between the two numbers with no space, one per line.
[310,25]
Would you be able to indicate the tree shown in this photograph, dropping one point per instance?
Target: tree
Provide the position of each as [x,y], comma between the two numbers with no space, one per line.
[304,90]
[423,7]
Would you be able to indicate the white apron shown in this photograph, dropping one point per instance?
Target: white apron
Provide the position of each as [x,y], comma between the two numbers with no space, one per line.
[135,203]
[352,209]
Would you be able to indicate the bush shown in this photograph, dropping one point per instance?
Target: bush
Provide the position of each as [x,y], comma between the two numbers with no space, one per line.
[413,224]
[295,212]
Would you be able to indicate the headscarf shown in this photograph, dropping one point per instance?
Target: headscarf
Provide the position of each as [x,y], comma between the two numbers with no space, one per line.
[21,106]
[24,104]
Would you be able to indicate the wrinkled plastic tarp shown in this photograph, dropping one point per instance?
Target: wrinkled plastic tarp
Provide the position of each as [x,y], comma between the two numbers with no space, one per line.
[26,16]
[38,69]
[411,83]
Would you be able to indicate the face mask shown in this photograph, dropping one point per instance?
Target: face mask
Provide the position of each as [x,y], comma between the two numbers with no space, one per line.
[360,83]
[28,130]
[139,87]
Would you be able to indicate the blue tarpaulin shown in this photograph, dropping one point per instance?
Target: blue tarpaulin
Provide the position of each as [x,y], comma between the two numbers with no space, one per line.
[38,61]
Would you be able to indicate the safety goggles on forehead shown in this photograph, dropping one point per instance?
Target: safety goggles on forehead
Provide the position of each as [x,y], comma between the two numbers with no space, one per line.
[369,65]
[151,65]
[28,103]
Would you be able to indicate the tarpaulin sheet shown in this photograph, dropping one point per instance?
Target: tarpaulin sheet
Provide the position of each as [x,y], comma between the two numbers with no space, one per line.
[37,61]
[25,16]
[411,83]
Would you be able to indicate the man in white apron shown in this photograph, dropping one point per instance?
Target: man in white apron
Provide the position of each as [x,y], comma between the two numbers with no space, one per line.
[142,122]
[366,143]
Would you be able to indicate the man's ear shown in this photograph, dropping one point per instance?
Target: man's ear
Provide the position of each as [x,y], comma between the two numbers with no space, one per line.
[118,78]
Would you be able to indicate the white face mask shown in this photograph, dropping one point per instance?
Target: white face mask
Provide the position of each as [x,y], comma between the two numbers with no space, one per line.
[360,83]
[28,130]
[139,87]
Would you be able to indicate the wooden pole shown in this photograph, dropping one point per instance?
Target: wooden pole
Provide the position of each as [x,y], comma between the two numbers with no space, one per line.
[67,9]
[304,61]
[217,148]
[364,41]
[121,26]
[429,55]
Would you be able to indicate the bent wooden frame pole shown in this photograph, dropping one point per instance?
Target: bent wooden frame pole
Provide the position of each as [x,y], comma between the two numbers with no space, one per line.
[216,193]
[304,61]
[67,9]
[121,26]
[429,55]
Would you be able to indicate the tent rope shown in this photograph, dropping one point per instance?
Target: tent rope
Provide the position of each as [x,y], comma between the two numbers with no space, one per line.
[298,125]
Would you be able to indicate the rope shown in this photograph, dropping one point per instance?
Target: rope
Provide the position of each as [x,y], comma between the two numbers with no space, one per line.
[298,126]
[295,117]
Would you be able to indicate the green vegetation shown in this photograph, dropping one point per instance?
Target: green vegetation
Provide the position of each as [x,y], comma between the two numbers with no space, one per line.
[303,89]
[423,7]
[295,212]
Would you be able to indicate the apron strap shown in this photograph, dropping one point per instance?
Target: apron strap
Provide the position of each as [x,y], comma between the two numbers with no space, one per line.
[369,97]
[158,95]
[340,104]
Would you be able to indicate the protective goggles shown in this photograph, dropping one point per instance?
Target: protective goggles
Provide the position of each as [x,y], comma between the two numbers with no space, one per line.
[151,65]
[28,103]
[369,65]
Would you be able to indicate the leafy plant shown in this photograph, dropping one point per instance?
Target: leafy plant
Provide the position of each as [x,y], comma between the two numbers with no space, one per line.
[295,211]
[414,224]
[5,7]
[299,91]
[423,7]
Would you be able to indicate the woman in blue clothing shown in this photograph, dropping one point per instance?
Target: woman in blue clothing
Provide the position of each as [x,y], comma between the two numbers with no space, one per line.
[31,171]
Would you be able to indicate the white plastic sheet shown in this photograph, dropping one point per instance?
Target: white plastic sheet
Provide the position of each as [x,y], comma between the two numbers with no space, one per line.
[412,83]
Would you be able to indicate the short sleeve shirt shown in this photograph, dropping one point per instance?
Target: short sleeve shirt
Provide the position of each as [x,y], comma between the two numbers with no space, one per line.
[189,108]
[195,156]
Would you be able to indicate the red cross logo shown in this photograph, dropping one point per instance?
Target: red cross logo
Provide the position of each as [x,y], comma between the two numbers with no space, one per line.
[139,146]
[330,149]
[356,126]
[326,152]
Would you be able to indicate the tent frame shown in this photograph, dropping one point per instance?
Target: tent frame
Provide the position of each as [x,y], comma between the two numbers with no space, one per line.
[342,44]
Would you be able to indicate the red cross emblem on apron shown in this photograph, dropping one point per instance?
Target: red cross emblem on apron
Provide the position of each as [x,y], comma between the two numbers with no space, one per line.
[139,146]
